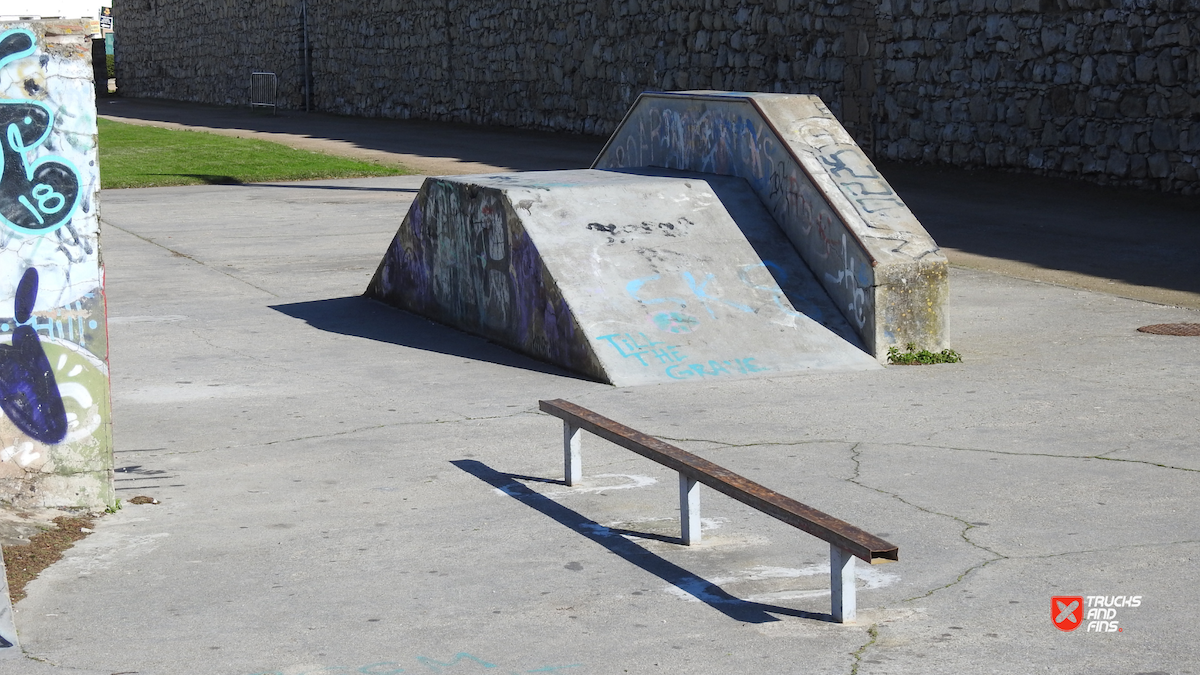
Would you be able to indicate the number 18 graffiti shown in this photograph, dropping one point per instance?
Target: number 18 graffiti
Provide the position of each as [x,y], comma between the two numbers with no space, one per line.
[35,197]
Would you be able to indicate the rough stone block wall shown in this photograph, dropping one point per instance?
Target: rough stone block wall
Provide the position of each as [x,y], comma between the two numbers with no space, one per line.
[1107,90]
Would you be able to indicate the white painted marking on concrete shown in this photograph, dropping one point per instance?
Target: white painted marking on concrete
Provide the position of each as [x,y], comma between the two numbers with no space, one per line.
[608,528]
[180,393]
[76,391]
[100,552]
[701,589]
[588,486]
[77,432]
[165,318]
[633,482]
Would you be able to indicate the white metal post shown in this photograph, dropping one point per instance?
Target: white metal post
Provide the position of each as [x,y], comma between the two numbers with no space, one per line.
[841,585]
[572,458]
[689,510]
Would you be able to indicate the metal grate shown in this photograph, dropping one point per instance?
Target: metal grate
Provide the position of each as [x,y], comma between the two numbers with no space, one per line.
[263,86]
[1185,329]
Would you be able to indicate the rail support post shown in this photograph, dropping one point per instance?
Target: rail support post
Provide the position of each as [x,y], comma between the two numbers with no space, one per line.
[572,457]
[689,510]
[841,585]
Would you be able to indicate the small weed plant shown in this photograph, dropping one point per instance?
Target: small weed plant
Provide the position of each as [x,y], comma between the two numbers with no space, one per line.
[912,357]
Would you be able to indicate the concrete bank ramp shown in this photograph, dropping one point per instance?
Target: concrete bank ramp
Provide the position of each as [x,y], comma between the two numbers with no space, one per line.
[630,278]
[883,270]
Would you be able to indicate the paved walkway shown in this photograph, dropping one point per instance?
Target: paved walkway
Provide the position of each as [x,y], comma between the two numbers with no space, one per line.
[346,488]
[1132,244]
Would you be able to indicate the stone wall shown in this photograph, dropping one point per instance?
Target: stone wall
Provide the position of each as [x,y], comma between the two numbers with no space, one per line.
[1107,90]
[1069,87]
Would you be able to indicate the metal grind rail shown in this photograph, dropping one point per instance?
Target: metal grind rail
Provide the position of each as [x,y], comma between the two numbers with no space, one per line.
[846,542]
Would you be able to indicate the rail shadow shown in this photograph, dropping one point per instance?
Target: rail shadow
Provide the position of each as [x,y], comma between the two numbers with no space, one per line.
[615,541]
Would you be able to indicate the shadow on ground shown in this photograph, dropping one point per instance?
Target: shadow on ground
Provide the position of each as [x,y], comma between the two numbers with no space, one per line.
[366,318]
[617,543]
[347,188]
[1137,237]
[512,149]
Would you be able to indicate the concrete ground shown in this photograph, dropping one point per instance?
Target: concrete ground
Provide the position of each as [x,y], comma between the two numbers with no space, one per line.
[347,488]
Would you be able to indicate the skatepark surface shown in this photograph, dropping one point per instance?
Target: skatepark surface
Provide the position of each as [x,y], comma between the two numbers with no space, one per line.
[348,488]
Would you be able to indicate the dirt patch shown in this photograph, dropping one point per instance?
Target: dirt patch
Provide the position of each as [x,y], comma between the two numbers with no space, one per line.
[23,563]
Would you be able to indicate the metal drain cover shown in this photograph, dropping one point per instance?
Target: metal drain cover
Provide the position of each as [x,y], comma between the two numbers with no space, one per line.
[1172,329]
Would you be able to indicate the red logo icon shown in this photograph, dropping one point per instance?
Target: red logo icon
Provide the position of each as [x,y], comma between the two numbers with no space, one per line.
[1066,611]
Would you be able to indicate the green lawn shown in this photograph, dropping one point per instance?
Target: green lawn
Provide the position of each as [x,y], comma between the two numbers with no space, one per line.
[139,156]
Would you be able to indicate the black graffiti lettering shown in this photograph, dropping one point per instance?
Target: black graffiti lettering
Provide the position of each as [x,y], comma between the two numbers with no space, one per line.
[38,196]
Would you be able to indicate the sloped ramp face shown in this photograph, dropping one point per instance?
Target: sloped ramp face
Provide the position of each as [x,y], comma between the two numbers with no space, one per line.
[880,266]
[629,279]
[463,258]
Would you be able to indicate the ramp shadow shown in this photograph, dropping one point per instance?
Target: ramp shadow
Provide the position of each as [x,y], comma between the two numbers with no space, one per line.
[363,317]
[617,543]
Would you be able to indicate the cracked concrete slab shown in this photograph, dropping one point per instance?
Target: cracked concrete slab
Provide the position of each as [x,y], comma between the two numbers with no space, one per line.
[988,617]
[345,487]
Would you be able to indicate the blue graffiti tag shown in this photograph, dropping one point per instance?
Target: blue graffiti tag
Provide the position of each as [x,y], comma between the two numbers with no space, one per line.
[634,287]
[676,322]
[698,289]
[687,371]
[650,353]
[628,347]
[36,197]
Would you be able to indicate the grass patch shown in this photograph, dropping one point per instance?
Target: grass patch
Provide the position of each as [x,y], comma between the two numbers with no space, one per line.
[912,357]
[134,156]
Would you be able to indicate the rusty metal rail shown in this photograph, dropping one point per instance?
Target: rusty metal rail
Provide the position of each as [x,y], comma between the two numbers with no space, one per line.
[846,542]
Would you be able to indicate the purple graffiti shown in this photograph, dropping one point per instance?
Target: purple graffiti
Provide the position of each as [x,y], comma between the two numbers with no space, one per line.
[28,392]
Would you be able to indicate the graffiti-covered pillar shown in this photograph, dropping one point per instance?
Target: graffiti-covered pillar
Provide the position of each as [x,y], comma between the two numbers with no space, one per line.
[55,427]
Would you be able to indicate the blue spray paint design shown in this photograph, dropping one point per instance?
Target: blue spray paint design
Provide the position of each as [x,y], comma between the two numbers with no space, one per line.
[28,392]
